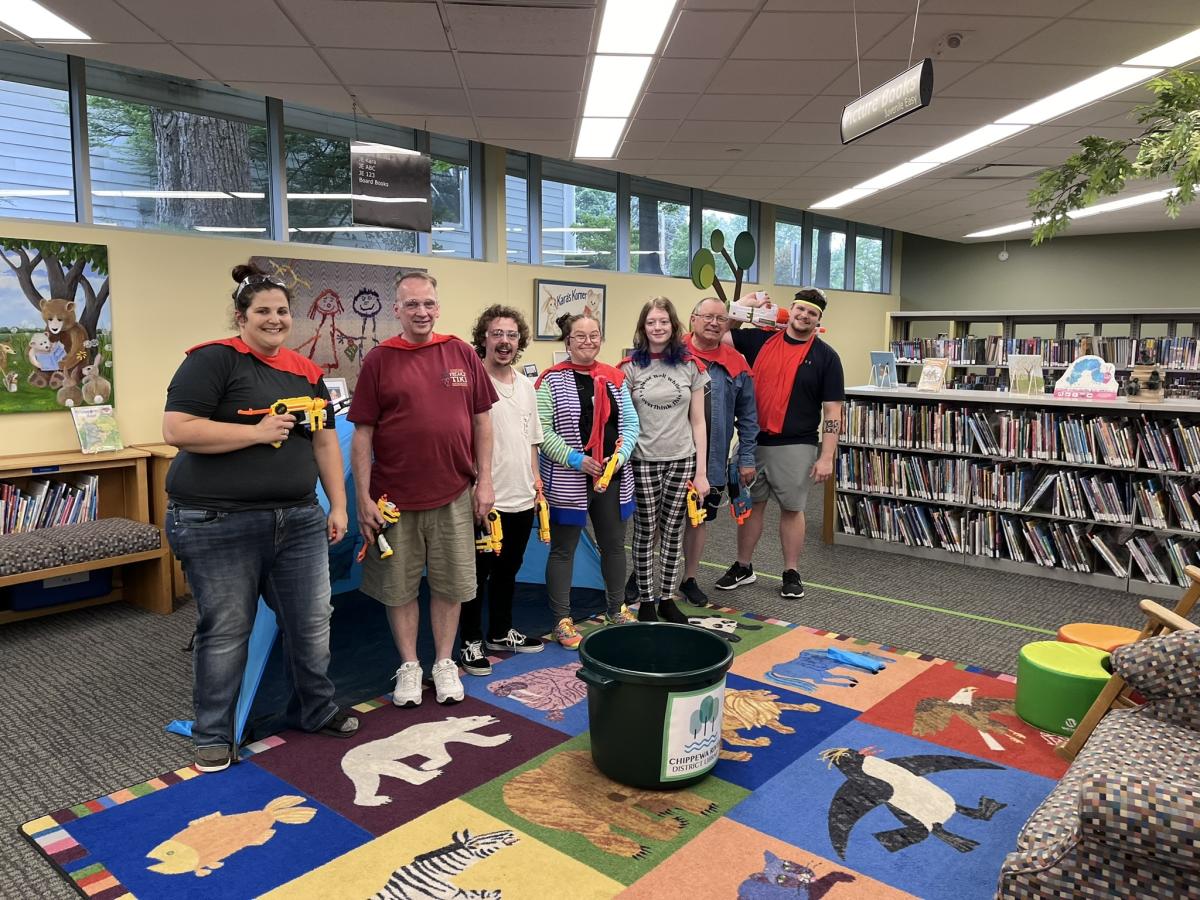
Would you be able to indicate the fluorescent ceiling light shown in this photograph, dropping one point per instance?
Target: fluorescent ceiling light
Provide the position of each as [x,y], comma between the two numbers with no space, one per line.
[1086,212]
[1003,229]
[633,26]
[969,143]
[900,173]
[166,195]
[238,228]
[598,138]
[34,192]
[850,195]
[1080,94]
[1173,53]
[614,86]
[37,23]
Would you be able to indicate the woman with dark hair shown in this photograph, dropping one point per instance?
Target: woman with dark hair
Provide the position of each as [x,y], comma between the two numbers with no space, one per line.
[588,422]
[667,384]
[243,516]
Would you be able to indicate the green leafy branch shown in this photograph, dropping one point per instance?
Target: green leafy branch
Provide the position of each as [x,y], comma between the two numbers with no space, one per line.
[1169,146]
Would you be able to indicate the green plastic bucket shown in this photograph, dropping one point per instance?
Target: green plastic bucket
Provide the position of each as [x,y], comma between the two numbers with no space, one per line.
[656,700]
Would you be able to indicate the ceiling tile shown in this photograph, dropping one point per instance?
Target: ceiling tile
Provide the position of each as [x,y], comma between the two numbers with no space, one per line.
[865,153]
[414,101]
[369,24]
[1182,12]
[665,106]
[332,97]
[652,129]
[875,6]
[522,73]
[833,169]
[1007,9]
[706,35]
[690,166]
[1091,43]
[721,4]
[633,148]
[1071,138]
[758,76]
[732,108]
[876,72]
[281,64]
[454,126]
[791,152]
[808,133]
[905,134]
[1099,113]
[533,129]
[1036,136]
[1023,83]
[520,29]
[822,109]
[709,150]
[771,167]
[259,23]
[104,21]
[983,37]
[547,104]
[393,67]
[1031,156]
[740,185]
[729,134]
[556,149]
[682,76]
[812,35]
[151,57]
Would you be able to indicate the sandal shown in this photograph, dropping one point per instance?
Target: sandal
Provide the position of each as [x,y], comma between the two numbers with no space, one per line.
[342,725]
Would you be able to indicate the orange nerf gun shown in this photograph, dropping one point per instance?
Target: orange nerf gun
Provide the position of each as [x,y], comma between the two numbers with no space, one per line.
[696,512]
[489,536]
[609,470]
[542,508]
[312,410]
[391,515]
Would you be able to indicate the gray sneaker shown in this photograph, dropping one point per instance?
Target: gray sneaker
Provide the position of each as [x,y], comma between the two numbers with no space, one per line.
[446,683]
[408,685]
[213,759]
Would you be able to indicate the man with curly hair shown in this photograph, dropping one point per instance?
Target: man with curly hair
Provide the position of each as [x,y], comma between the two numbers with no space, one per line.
[499,335]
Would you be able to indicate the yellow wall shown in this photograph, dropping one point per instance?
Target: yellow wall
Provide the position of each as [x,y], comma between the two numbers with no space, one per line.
[171,291]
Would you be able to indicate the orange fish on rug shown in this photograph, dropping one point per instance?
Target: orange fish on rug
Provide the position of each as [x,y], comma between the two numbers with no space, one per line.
[206,842]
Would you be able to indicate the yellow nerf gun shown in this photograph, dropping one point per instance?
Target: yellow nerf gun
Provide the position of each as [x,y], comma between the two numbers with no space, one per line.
[489,536]
[542,508]
[312,410]
[391,515]
[696,512]
[609,470]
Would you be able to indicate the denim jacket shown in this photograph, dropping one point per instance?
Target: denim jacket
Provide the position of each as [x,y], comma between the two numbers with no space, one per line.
[729,405]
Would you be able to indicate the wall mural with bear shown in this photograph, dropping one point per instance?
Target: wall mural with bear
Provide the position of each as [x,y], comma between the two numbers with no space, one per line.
[55,326]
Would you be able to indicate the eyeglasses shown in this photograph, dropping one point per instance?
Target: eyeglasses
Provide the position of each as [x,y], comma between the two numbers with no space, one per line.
[593,338]
[414,305]
[501,335]
[257,281]
[711,317]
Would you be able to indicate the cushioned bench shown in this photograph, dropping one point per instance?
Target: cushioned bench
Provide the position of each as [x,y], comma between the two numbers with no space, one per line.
[68,545]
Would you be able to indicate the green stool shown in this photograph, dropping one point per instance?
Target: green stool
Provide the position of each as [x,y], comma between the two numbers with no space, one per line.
[1057,684]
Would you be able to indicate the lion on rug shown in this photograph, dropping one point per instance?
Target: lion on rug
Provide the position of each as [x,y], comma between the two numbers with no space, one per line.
[754,709]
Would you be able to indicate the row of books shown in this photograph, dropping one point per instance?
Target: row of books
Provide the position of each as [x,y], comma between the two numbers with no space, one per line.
[45,504]
[1179,552]
[1168,352]
[986,351]
[1180,353]
[1170,445]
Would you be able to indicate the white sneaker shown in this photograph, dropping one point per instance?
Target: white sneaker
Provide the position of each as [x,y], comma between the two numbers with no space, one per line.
[408,685]
[446,681]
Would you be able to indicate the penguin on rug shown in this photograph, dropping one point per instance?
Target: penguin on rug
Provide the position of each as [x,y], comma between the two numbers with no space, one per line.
[898,784]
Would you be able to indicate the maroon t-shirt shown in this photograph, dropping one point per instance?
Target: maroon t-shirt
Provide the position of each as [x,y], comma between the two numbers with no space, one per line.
[422,400]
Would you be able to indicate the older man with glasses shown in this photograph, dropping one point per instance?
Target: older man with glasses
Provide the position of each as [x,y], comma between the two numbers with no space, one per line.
[730,409]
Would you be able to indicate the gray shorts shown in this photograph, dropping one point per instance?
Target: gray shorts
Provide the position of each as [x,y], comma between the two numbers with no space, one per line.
[783,474]
[441,540]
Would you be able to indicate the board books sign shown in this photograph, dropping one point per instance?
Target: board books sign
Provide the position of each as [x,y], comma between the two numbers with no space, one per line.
[390,187]
[1088,378]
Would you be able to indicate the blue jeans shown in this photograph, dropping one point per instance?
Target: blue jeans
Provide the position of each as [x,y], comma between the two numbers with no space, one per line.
[230,558]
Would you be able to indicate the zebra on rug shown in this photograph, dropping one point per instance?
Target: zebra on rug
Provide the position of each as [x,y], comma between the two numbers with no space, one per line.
[429,874]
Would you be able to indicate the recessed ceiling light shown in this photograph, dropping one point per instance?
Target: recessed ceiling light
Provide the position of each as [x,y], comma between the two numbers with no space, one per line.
[1173,53]
[633,26]
[614,86]
[846,197]
[1086,212]
[969,143]
[900,173]
[1080,94]
[37,23]
[598,138]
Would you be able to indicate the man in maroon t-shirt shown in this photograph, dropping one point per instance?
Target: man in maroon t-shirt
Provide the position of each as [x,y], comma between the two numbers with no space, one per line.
[423,437]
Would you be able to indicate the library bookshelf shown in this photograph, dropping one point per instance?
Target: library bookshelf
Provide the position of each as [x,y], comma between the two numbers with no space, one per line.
[1033,485]
[142,578]
[977,343]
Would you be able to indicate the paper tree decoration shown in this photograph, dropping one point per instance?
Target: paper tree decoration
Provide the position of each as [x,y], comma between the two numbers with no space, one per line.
[704,264]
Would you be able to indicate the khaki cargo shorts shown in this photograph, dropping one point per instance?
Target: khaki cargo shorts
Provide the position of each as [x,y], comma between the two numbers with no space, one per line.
[783,474]
[440,540]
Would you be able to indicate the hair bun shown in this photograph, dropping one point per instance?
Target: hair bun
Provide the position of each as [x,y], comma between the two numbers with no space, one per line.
[562,321]
[244,271]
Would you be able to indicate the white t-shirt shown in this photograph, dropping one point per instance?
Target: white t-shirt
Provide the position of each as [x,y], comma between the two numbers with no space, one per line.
[515,428]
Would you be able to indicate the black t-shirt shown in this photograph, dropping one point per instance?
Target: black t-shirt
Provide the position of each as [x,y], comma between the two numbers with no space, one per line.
[214,382]
[819,380]
[587,394]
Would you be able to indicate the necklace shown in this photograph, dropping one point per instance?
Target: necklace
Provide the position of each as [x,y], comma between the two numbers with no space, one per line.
[512,390]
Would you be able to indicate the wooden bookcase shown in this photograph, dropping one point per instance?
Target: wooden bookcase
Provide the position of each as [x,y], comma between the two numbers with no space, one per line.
[144,578]
[1122,410]
[161,456]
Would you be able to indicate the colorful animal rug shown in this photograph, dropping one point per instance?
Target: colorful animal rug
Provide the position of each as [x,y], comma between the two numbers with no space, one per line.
[847,770]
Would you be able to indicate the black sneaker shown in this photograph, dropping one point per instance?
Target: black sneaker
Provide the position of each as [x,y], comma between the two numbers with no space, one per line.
[472,659]
[692,593]
[631,589]
[736,576]
[515,642]
[647,612]
[213,759]
[341,725]
[793,587]
[669,612]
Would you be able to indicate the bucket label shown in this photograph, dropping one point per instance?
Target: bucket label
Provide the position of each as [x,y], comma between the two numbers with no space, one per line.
[692,732]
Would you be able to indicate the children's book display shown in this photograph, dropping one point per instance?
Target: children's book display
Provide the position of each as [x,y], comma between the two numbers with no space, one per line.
[96,427]
[1025,374]
[1088,378]
[883,369]
[933,373]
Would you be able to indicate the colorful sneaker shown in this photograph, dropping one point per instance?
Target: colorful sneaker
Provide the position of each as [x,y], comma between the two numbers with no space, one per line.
[735,576]
[472,660]
[566,633]
[446,683]
[793,587]
[408,685]
[692,594]
[621,617]
[213,759]
[515,642]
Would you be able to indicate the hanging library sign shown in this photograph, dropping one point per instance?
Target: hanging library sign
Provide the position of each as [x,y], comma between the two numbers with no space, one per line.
[390,187]
[1088,378]
[906,93]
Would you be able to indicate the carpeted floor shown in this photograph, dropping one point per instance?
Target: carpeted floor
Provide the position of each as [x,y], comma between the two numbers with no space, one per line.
[86,693]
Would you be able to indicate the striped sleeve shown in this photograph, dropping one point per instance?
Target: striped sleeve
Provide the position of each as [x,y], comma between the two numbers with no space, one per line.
[630,426]
[553,447]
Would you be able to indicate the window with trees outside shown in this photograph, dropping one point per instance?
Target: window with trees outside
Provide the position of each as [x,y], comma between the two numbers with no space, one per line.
[789,250]
[516,206]
[175,156]
[828,254]
[732,217]
[659,228]
[868,258]
[36,181]
[579,217]
[450,189]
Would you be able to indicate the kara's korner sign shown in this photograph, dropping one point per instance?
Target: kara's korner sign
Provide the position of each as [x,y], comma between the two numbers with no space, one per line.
[906,93]
[389,187]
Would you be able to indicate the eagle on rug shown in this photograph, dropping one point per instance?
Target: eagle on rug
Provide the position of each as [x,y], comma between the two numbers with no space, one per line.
[933,715]
[900,785]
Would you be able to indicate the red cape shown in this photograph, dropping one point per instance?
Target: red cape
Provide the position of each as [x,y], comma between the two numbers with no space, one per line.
[616,376]
[399,343]
[725,356]
[284,361]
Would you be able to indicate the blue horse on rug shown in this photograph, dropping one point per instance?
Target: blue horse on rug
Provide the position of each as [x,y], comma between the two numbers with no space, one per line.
[813,668]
